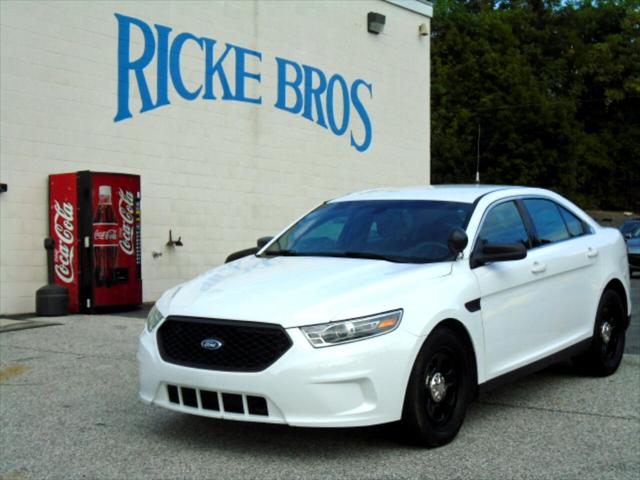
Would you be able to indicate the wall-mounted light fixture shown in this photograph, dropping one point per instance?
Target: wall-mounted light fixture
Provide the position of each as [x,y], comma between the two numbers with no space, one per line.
[375,22]
[423,29]
[172,242]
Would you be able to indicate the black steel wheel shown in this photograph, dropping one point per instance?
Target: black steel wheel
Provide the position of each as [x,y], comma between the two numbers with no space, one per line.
[607,346]
[441,385]
[439,391]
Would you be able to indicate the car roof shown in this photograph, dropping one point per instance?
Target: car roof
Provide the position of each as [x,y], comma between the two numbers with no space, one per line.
[447,193]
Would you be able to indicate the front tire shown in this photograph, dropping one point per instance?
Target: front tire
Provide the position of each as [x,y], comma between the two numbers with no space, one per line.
[607,346]
[439,391]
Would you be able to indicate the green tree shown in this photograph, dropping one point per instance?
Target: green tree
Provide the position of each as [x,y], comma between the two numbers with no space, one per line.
[555,89]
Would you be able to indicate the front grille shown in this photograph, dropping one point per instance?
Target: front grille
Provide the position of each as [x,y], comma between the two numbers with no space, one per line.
[245,346]
[231,402]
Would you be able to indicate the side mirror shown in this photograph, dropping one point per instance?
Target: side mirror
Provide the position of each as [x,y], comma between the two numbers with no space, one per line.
[241,253]
[498,253]
[627,236]
[457,240]
[262,241]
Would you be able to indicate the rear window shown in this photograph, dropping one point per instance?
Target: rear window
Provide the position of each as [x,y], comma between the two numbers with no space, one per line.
[547,220]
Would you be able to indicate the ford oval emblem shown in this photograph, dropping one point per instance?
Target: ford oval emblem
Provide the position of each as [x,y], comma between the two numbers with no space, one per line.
[211,344]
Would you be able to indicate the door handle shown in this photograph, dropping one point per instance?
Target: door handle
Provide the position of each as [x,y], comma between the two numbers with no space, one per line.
[538,267]
[592,252]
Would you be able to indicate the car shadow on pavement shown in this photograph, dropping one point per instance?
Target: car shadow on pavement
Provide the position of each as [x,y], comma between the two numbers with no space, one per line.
[540,391]
[273,440]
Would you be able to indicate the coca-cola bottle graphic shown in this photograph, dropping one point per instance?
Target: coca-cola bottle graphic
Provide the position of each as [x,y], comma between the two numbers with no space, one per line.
[105,238]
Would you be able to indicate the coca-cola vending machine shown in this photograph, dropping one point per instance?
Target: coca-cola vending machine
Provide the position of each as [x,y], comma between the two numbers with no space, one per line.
[94,220]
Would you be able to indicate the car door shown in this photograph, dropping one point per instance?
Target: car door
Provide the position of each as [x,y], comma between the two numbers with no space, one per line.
[565,261]
[510,294]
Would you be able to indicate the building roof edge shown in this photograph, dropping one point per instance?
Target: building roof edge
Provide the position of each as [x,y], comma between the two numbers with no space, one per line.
[421,7]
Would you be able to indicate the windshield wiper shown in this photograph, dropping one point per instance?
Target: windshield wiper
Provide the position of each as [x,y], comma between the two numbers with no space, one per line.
[348,254]
[283,253]
[377,256]
[365,255]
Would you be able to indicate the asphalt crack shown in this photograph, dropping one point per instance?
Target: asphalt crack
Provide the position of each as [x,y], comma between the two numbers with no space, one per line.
[76,354]
[558,410]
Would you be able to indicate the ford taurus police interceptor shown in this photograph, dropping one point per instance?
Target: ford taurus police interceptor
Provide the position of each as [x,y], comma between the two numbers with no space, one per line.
[392,305]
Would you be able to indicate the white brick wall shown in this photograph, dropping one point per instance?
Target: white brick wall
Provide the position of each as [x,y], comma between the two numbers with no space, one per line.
[219,174]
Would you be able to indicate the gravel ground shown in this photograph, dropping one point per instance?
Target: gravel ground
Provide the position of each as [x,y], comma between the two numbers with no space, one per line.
[69,409]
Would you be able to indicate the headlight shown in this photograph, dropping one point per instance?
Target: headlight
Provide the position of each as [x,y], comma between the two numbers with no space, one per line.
[336,333]
[154,318]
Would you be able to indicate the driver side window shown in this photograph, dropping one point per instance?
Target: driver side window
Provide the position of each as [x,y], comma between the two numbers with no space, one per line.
[503,224]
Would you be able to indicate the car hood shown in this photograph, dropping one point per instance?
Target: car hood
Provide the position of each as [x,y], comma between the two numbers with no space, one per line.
[296,291]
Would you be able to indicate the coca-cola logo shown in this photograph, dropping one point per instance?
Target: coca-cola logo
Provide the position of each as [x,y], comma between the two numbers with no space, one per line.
[125,207]
[104,235]
[63,228]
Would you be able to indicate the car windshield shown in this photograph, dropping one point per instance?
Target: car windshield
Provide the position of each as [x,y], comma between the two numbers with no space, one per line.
[411,231]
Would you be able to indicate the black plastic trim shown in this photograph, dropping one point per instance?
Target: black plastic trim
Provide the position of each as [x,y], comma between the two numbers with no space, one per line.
[232,403]
[536,366]
[172,391]
[257,406]
[189,397]
[209,400]
[85,226]
[528,224]
[473,305]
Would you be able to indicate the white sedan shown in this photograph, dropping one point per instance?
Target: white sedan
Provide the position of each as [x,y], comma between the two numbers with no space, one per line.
[392,305]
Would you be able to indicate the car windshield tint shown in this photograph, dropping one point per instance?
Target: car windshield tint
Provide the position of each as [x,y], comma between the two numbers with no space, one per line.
[394,230]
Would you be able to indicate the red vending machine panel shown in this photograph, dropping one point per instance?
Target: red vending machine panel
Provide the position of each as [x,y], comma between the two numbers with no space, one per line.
[115,228]
[95,223]
[63,229]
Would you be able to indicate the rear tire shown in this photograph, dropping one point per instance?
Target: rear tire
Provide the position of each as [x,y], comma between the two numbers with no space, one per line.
[607,346]
[439,391]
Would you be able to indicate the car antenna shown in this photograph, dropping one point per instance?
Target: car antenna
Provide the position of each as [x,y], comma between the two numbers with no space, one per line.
[478,162]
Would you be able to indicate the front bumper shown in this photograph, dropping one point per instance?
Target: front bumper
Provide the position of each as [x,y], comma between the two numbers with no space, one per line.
[356,384]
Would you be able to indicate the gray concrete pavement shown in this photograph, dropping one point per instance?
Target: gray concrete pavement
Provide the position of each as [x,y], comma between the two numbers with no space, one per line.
[69,409]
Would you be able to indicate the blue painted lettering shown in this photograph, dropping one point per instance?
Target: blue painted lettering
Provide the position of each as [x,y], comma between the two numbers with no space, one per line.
[176,76]
[163,59]
[294,84]
[329,100]
[126,65]
[364,116]
[215,67]
[338,130]
[313,95]
[242,74]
